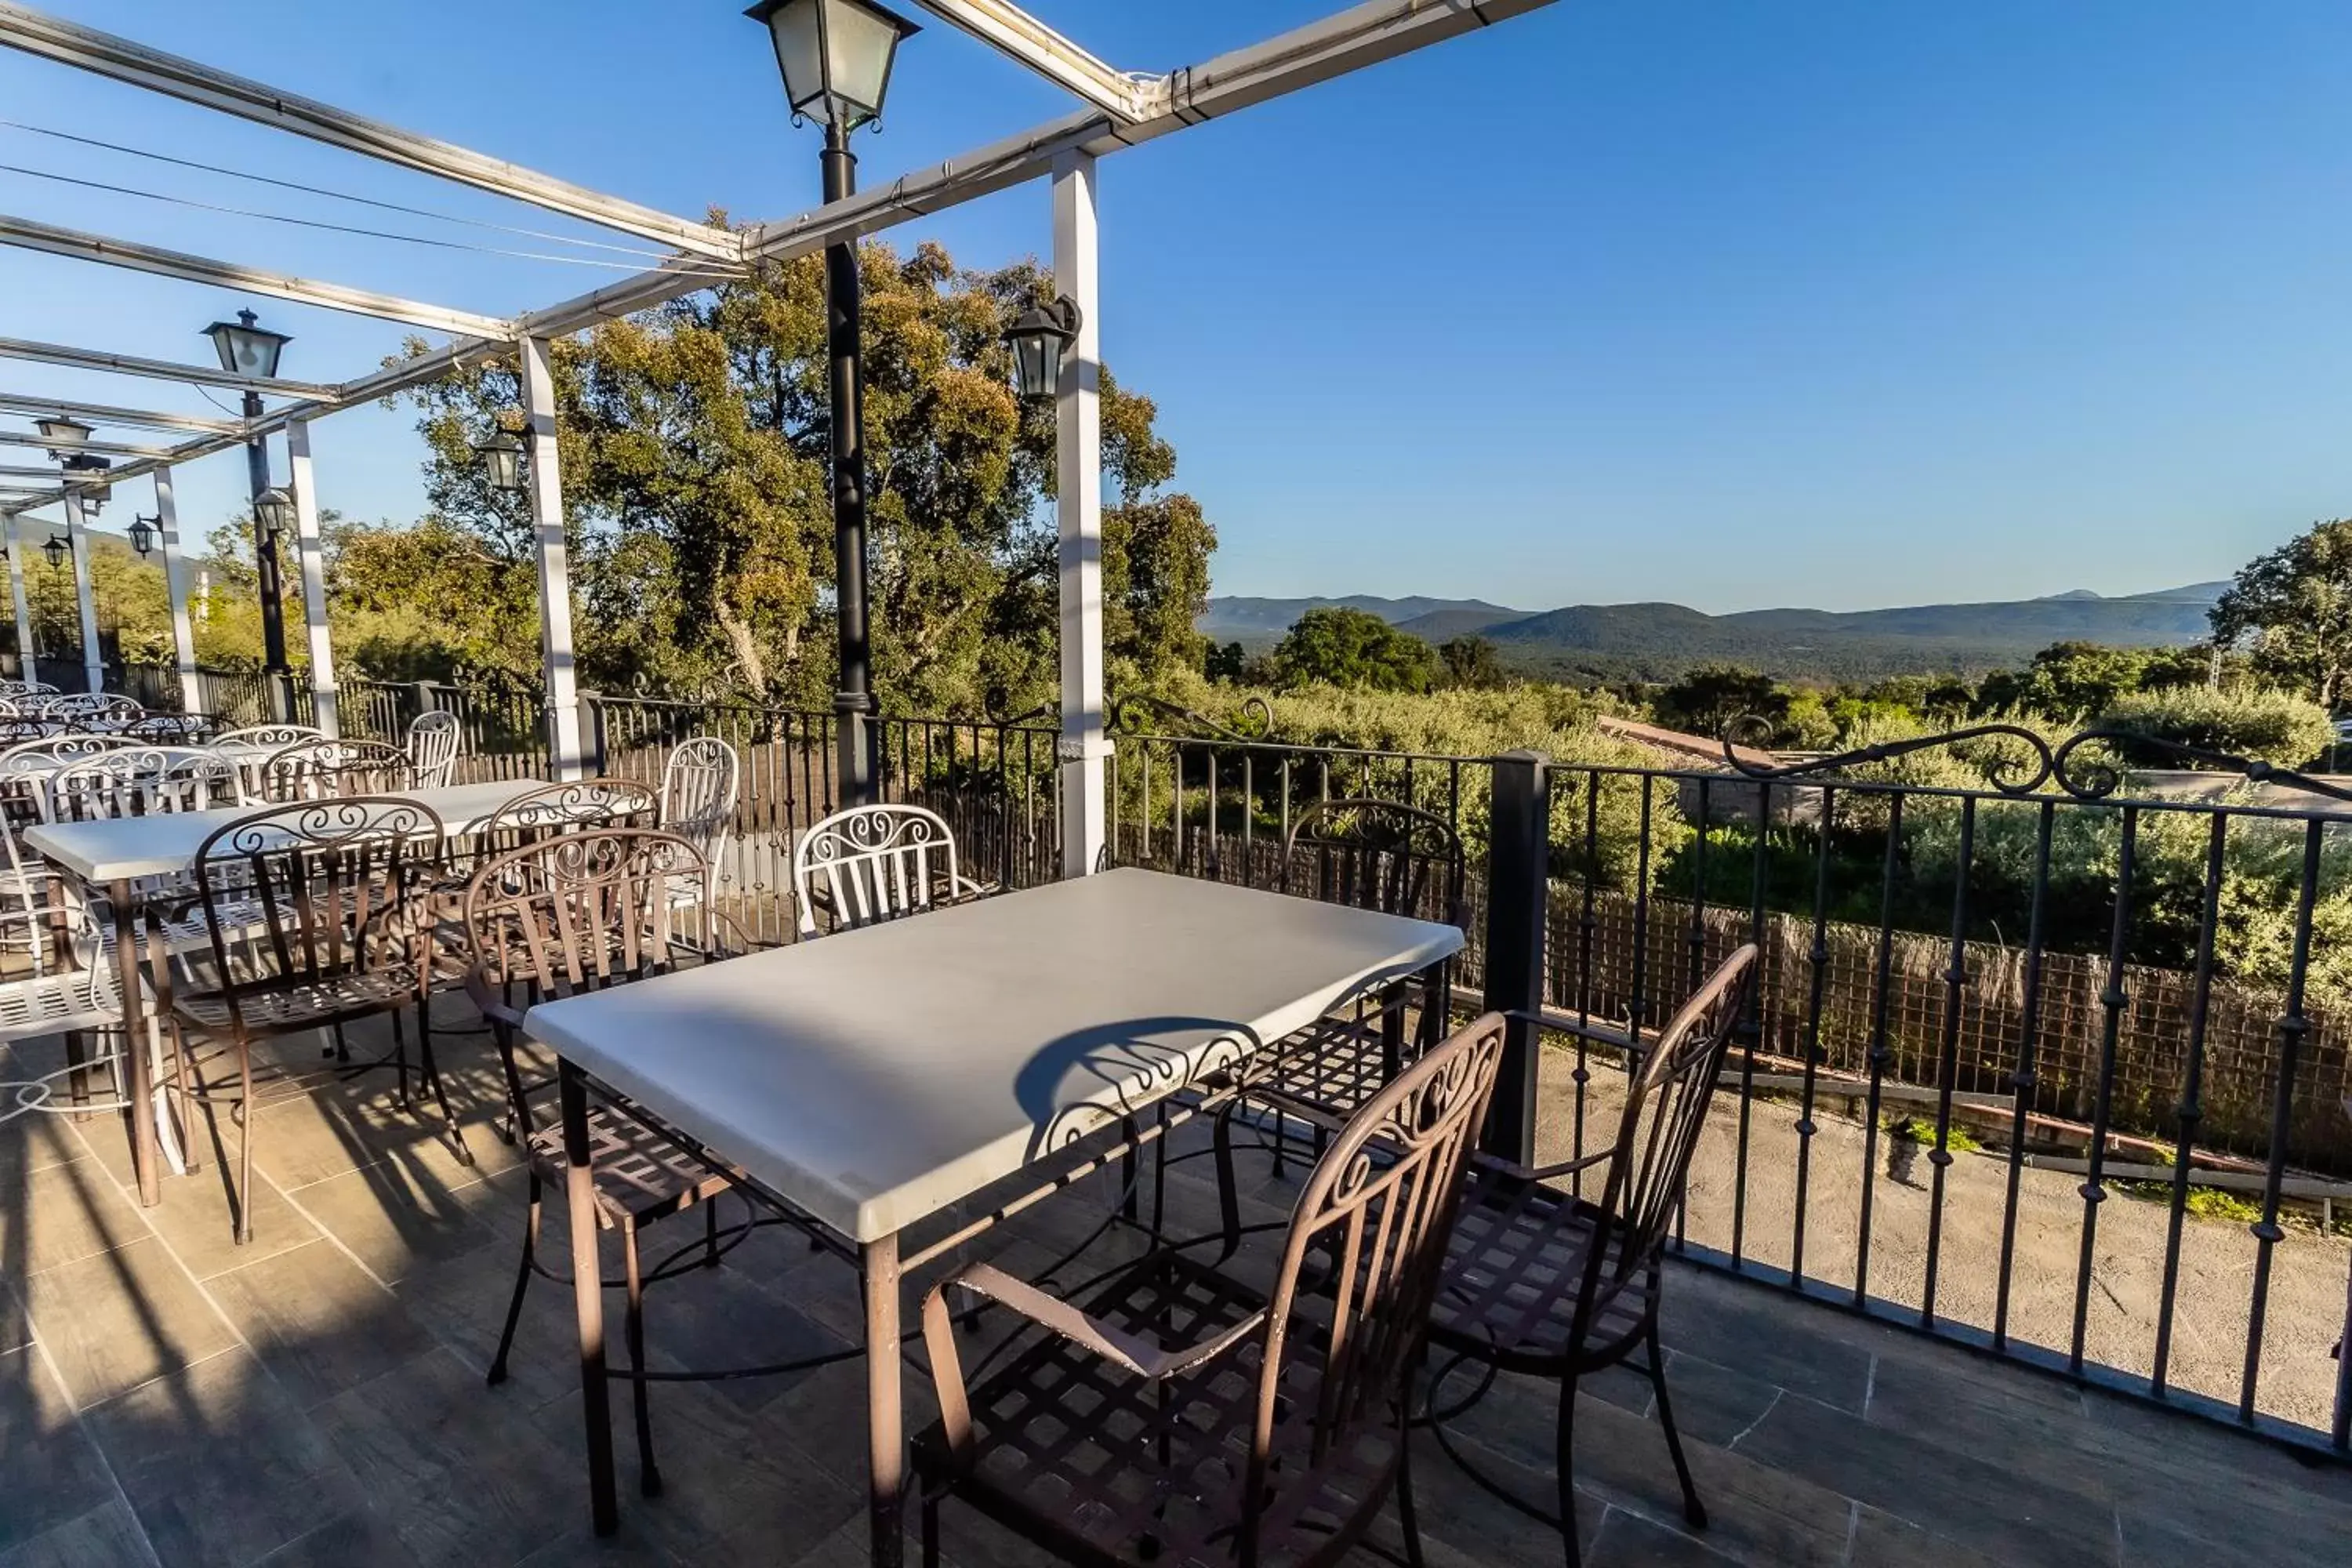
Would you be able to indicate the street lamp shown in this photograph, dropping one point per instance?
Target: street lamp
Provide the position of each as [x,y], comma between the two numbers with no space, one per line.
[273,514]
[1040,339]
[142,533]
[503,458]
[93,492]
[835,57]
[56,549]
[247,347]
[68,435]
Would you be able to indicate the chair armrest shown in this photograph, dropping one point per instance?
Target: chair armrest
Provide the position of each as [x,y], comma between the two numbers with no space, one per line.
[1543,1172]
[1141,1357]
[490,1000]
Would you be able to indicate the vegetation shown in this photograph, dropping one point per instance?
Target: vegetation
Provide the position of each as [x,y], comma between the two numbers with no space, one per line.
[1353,649]
[2292,608]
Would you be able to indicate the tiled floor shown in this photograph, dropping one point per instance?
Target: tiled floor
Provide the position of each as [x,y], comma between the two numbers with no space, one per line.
[317,1398]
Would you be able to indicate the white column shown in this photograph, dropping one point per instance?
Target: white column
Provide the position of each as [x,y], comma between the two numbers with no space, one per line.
[26,652]
[1085,745]
[93,660]
[314,575]
[554,563]
[176,584]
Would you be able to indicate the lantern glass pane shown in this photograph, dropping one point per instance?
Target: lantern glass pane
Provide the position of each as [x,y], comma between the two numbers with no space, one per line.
[799,55]
[1037,364]
[858,44]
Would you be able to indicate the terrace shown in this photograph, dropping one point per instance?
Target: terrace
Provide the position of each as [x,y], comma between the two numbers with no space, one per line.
[2013,1232]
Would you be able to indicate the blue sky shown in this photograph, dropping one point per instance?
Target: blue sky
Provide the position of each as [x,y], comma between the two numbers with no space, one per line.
[1734,304]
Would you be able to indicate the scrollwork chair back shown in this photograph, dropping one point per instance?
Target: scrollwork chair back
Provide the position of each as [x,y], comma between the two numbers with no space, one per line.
[323,769]
[142,781]
[701,783]
[1378,854]
[873,863]
[435,740]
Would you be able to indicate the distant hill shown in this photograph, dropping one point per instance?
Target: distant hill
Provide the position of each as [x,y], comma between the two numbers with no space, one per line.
[1655,641]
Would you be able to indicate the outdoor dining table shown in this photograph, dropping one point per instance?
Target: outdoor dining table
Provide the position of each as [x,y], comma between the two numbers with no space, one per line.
[874,1077]
[113,855]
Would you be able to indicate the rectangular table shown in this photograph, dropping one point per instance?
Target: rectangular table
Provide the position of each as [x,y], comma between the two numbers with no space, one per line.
[113,853]
[874,1077]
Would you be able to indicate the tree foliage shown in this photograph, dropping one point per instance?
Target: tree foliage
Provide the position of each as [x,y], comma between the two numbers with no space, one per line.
[2292,609]
[1471,663]
[1335,646]
[693,440]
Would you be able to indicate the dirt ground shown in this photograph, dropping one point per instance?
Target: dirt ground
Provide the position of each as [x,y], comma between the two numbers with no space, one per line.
[2307,1307]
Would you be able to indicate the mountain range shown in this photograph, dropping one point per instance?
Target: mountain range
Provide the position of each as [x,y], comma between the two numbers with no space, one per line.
[1657,641]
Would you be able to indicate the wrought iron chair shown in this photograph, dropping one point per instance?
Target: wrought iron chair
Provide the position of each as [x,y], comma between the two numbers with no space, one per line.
[578,913]
[701,783]
[63,983]
[318,918]
[27,767]
[170,729]
[84,707]
[141,780]
[323,769]
[268,737]
[1378,854]
[433,742]
[1176,1417]
[873,863]
[1541,1281]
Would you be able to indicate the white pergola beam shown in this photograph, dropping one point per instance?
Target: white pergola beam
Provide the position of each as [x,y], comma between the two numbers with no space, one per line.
[158,369]
[1084,746]
[26,652]
[93,659]
[175,587]
[27,235]
[553,555]
[1011,31]
[67,43]
[102,448]
[106,413]
[310,549]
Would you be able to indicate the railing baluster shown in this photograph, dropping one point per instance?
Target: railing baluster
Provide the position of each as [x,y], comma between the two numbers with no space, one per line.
[1817,956]
[1883,995]
[1956,980]
[2113,1000]
[2191,1109]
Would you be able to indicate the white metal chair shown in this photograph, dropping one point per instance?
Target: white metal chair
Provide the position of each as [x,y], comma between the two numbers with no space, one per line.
[252,747]
[86,706]
[700,784]
[873,863]
[141,780]
[433,742]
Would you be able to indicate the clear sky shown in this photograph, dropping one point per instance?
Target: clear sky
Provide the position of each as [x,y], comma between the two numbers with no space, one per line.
[1733,302]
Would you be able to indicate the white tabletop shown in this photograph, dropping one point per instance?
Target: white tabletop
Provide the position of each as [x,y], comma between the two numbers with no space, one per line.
[873,1076]
[160,846]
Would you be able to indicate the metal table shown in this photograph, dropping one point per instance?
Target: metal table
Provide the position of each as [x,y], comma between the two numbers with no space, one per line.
[873,1078]
[115,853]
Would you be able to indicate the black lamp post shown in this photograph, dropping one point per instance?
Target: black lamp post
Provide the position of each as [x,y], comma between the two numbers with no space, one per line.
[56,549]
[836,56]
[142,533]
[502,458]
[1040,339]
[246,349]
[68,433]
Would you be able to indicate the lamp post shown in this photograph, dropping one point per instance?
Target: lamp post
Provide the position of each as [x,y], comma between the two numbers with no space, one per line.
[1039,337]
[93,490]
[503,456]
[836,56]
[247,348]
[142,533]
[56,549]
[68,433]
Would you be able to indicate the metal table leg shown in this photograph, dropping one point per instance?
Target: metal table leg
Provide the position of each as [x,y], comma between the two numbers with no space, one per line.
[139,1069]
[886,1445]
[588,1299]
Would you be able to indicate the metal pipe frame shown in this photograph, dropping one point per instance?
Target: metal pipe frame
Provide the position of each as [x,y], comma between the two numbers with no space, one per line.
[1364,35]
[69,43]
[1012,32]
[106,413]
[161,370]
[104,448]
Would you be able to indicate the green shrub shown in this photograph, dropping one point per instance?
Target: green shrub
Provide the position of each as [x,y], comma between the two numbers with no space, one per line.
[2271,726]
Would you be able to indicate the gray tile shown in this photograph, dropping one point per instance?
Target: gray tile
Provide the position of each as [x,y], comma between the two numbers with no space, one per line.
[1625,1541]
[105,1537]
[197,1220]
[63,1211]
[116,1320]
[1945,1492]
[317,1321]
[1795,1345]
[1756,1511]
[353,1540]
[395,1225]
[339,1128]
[219,1465]
[1883,1540]
[50,1475]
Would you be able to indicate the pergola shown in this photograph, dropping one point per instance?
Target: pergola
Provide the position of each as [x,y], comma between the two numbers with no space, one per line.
[1121,109]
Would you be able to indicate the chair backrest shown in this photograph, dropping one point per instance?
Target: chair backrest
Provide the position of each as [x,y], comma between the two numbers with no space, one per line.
[1667,1101]
[580,911]
[321,769]
[872,863]
[94,705]
[170,729]
[141,780]
[699,786]
[268,737]
[39,758]
[1376,854]
[314,892]
[584,803]
[1367,1246]
[36,687]
[434,740]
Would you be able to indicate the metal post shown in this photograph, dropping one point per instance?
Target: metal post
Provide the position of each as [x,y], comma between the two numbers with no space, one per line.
[93,657]
[1518,871]
[176,584]
[311,552]
[854,696]
[1084,748]
[26,652]
[278,677]
[554,563]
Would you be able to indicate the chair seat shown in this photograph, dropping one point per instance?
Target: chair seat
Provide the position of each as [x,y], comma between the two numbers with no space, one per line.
[1334,1065]
[305,1004]
[1069,1447]
[1513,1267]
[641,1173]
[52,1004]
